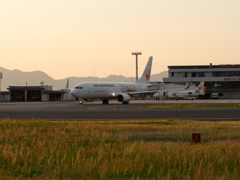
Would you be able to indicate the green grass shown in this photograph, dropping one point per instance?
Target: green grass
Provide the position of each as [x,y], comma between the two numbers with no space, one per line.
[191,106]
[153,149]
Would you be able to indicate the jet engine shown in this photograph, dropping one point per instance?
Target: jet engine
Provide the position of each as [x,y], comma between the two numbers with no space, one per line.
[123,98]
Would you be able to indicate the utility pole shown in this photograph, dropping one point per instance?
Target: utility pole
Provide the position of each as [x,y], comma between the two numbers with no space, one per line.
[137,53]
[1,76]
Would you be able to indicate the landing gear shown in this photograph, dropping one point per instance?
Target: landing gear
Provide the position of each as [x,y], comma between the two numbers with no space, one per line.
[126,102]
[80,102]
[105,101]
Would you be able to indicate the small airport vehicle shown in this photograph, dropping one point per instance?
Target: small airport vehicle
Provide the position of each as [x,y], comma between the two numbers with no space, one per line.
[190,98]
[121,91]
[19,98]
[181,94]
[214,96]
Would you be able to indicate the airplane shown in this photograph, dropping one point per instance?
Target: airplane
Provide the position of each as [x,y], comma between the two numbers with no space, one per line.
[181,94]
[122,91]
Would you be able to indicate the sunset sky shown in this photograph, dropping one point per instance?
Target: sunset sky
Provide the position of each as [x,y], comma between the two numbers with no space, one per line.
[80,37]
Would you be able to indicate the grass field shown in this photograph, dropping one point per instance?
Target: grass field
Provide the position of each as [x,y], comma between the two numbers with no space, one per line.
[191,106]
[144,149]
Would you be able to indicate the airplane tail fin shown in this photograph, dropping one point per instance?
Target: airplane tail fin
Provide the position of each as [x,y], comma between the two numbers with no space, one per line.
[201,88]
[67,85]
[145,79]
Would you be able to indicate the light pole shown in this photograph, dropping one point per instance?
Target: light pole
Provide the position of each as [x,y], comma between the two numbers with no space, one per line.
[136,53]
[0,83]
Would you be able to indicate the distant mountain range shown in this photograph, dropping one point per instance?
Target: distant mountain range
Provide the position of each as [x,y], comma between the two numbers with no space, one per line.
[20,78]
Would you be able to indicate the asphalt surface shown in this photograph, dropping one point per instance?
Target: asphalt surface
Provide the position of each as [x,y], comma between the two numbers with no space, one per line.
[116,111]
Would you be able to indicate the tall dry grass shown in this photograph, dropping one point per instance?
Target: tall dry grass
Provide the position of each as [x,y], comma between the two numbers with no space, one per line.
[119,149]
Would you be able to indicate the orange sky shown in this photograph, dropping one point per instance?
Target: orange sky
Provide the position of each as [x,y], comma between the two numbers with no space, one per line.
[80,37]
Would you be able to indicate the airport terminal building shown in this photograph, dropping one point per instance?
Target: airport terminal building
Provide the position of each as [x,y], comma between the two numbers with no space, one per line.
[221,79]
[35,93]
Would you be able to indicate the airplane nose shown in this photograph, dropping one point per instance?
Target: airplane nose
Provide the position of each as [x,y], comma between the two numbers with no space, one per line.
[73,92]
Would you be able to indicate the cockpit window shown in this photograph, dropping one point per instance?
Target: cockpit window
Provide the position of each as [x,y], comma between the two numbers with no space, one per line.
[78,87]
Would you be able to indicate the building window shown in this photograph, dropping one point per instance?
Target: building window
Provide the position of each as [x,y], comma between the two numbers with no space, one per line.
[223,85]
[172,74]
[198,74]
[226,74]
[185,74]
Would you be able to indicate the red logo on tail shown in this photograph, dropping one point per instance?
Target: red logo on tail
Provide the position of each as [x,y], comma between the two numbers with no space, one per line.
[147,74]
[199,87]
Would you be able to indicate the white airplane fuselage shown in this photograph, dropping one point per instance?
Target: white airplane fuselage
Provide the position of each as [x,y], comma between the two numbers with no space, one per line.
[178,94]
[182,94]
[94,90]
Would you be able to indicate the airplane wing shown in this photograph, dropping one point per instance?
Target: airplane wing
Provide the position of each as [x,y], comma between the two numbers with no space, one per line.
[187,86]
[142,92]
[136,93]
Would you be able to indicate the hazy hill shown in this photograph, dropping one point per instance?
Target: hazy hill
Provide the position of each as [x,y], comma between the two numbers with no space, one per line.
[19,78]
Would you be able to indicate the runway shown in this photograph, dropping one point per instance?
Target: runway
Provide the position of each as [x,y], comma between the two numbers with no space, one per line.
[116,111]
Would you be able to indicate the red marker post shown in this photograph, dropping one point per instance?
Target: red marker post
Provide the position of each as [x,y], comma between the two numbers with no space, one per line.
[196,138]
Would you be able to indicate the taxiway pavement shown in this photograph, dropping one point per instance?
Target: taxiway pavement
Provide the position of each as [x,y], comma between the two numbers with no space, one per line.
[116,111]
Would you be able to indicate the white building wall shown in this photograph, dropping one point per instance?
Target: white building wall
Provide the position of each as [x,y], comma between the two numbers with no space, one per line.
[5,97]
[204,70]
[45,97]
[46,87]
[67,96]
[193,79]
